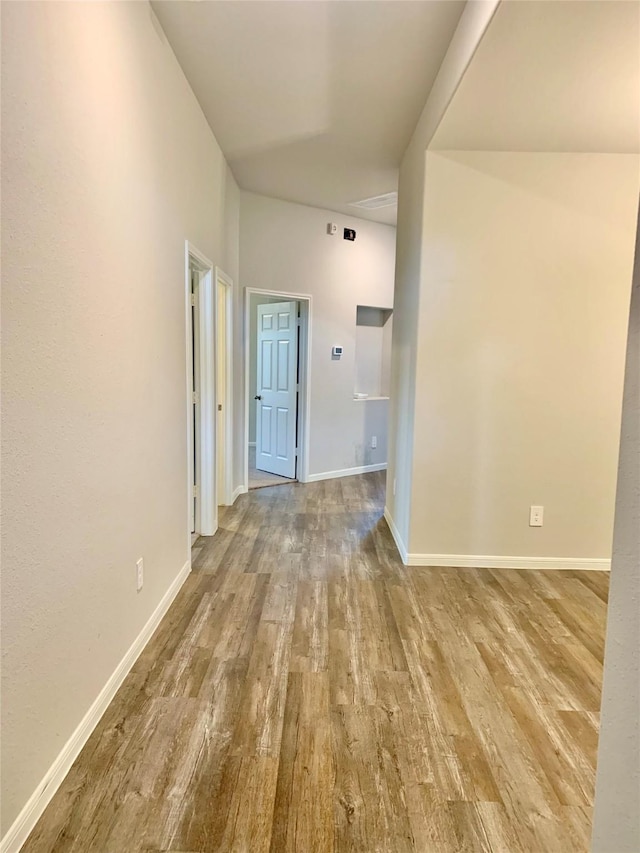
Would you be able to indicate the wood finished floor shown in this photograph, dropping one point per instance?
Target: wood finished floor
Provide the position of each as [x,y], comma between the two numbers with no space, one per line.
[259,479]
[307,693]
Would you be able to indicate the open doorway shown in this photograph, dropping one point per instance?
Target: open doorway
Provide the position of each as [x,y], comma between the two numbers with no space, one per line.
[277,341]
[199,310]
[224,387]
[193,366]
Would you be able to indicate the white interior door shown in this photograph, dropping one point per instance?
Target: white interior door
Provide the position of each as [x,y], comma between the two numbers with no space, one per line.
[276,388]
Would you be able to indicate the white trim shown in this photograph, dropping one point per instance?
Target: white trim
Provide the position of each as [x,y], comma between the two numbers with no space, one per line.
[473,561]
[304,411]
[304,416]
[241,490]
[201,260]
[189,386]
[18,832]
[224,498]
[396,535]
[207,514]
[207,481]
[346,472]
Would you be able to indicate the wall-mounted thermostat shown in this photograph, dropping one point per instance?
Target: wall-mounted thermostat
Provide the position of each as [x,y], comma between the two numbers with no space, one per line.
[332,228]
[349,234]
[336,352]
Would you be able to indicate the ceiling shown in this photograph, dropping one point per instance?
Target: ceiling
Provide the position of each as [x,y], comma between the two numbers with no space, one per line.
[312,101]
[551,76]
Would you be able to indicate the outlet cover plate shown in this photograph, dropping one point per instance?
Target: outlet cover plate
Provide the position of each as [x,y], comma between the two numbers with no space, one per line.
[536,516]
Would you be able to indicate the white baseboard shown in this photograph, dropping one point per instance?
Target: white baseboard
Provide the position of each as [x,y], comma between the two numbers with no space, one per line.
[481,561]
[396,536]
[241,490]
[18,832]
[346,472]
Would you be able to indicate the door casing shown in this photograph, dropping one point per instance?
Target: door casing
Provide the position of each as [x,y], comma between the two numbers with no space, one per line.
[207,506]
[274,400]
[224,453]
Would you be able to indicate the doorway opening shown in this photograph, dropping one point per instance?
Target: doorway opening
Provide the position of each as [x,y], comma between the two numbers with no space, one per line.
[194,419]
[224,388]
[202,512]
[277,347]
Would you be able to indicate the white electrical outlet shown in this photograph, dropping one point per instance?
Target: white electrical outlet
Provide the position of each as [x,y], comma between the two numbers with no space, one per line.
[536,516]
[374,442]
[140,573]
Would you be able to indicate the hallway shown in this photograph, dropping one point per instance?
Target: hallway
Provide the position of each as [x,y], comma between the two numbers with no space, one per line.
[308,693]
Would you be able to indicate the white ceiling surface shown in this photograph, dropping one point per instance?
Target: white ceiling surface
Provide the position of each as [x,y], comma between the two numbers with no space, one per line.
[551,76]
[312,101]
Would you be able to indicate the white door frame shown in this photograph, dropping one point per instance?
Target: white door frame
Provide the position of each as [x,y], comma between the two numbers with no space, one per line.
[304,420]
[225,459]
[207,515]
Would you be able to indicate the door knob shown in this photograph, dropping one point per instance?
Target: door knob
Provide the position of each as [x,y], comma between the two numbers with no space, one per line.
[258,397]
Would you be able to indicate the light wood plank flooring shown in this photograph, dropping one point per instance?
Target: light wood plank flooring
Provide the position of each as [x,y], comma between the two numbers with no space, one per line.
[307,693]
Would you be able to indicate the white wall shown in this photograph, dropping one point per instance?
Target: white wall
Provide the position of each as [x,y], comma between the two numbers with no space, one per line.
[285,247]
[526,270]
[473,23]
[108,165]
[616,819]
[404,342]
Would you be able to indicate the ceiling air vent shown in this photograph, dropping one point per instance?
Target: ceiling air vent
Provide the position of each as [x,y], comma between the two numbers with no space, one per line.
[376,201]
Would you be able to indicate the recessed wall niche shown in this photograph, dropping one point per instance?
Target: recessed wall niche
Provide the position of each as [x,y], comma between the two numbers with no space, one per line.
[373,352]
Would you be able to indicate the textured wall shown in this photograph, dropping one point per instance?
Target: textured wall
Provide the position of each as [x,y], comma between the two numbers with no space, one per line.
[526,271]
[405,340]
[617,806]
[472,25]
[108,165]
